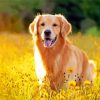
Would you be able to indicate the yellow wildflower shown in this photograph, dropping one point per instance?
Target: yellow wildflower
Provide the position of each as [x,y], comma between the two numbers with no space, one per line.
[77,88]
[70,69]
[72,83]
[44,93]
[87,82]
[90,96]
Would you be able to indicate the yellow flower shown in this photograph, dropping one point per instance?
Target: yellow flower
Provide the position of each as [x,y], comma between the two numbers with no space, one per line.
[77,88]
[87,82]
[44,93]
[72,83]
[81,97]
[90,95]
[70,69]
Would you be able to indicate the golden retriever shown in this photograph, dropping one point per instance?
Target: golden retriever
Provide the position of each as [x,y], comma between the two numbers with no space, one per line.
[55,55]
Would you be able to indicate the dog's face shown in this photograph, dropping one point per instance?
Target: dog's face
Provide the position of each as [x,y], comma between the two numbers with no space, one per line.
[49,28]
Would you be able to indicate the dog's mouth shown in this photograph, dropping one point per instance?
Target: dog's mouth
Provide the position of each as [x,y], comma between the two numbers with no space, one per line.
[48,42]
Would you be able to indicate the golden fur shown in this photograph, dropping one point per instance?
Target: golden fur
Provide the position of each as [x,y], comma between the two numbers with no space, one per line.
[54,62]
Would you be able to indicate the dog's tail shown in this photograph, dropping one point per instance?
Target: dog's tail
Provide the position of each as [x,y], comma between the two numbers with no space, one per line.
[91,70]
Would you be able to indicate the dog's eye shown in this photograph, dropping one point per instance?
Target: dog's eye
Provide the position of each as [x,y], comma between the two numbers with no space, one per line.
[42,24]
[55,25]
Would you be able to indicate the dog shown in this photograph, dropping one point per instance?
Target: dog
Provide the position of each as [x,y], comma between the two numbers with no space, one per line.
[54,54]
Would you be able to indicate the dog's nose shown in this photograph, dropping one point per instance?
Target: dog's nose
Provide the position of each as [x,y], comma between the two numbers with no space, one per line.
[47,32]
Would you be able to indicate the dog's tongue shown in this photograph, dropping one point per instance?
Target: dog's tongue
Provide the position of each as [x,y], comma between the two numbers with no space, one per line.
[47,43]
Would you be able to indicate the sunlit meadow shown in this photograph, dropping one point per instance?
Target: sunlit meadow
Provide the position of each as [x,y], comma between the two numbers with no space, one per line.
[17,72]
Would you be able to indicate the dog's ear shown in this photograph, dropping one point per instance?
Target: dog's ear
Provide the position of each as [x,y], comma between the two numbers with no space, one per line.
[66,27]
[34,24]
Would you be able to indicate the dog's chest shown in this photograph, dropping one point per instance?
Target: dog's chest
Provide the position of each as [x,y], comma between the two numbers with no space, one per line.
[45,66]
[40,71]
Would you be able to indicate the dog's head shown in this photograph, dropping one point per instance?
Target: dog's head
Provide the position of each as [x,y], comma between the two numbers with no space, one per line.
[49,28]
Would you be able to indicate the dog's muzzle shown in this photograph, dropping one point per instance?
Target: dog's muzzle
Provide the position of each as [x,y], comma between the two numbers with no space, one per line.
[48,41]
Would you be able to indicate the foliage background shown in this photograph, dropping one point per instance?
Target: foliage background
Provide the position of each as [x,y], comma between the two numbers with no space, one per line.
[83,14]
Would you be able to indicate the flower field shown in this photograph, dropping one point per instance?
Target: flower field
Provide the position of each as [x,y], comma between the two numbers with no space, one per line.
[17,72]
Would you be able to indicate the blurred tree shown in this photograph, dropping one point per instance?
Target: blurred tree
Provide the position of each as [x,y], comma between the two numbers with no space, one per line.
[76,11]
[91,9]
[72,11]
[48,6]
[25,9]
[18,6]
